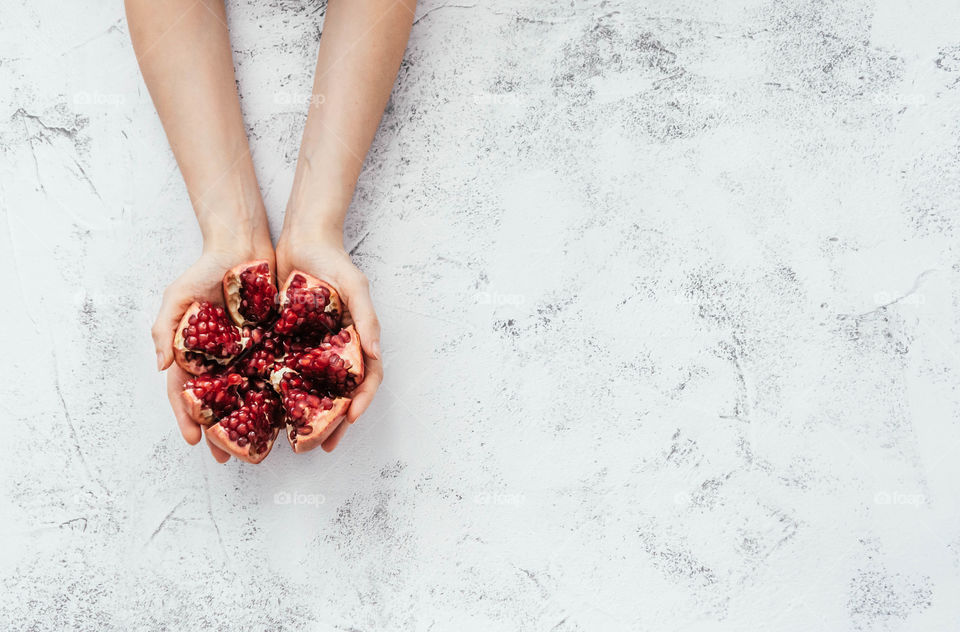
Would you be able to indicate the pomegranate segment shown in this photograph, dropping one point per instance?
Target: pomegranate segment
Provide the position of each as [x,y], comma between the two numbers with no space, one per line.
[308,306]
[310,361]
[260,360]
[312,413]
[248,432]
[250,293]
[337,362]
[209,397]
[206,339]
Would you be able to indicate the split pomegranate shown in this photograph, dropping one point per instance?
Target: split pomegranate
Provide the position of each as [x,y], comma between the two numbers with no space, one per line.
[308,307]
[249,431]
[250,294]
[206,339]
[337,361]
[313,412]
[210,396]
[259,368]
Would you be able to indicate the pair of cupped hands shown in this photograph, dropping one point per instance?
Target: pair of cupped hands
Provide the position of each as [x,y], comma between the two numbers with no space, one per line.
[324,258]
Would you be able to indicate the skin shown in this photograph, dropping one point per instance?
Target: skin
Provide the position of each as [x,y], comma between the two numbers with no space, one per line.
[183,49]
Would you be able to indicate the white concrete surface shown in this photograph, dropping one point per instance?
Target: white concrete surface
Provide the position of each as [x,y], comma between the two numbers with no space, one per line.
[669,292]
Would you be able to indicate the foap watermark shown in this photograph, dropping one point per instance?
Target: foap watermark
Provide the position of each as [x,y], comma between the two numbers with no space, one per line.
[499,499]
[298,98]
[899,498]
[502,98]
[298,498]
[494,298]
[100,99]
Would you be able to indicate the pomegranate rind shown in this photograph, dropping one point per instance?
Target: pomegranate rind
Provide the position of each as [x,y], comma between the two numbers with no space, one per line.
[197,410]
[322,422]
[231,291]
[193,365]
[219,437]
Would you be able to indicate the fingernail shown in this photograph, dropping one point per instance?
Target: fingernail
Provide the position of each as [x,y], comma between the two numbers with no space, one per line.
[159,360]
[375,349]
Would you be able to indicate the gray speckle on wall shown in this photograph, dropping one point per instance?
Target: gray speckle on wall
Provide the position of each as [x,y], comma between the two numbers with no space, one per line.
[669,294]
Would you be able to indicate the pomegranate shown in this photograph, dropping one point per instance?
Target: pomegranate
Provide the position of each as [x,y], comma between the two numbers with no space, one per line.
[206,339]
[250,294]
[260,367]
[308,307]
[249,431]
[313,413]
[210,396]
[337,361]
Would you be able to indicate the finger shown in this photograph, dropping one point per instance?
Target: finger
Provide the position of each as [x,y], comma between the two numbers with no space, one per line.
[365,318]
[331,442]
[220,455]
[364,393]
[188,427]
[171,311]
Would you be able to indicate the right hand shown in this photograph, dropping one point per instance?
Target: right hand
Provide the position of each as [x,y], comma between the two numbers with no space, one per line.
[201,281]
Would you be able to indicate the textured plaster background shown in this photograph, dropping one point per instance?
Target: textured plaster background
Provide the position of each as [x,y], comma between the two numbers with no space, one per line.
[669,294]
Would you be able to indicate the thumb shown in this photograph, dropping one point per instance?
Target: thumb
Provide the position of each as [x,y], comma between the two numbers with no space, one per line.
[171,310]
[364,317]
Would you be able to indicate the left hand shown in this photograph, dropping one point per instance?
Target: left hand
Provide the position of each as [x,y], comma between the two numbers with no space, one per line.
[326,259]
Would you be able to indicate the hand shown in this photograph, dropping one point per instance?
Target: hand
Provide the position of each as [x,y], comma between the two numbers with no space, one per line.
[326,259]
[201,281]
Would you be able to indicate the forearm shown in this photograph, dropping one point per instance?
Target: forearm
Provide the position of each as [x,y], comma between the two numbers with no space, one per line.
[183,49]
[360,52]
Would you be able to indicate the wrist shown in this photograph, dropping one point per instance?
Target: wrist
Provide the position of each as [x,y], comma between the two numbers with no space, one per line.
[232,217]
[321,225]
[304,239]
[237,236]
[318,204]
